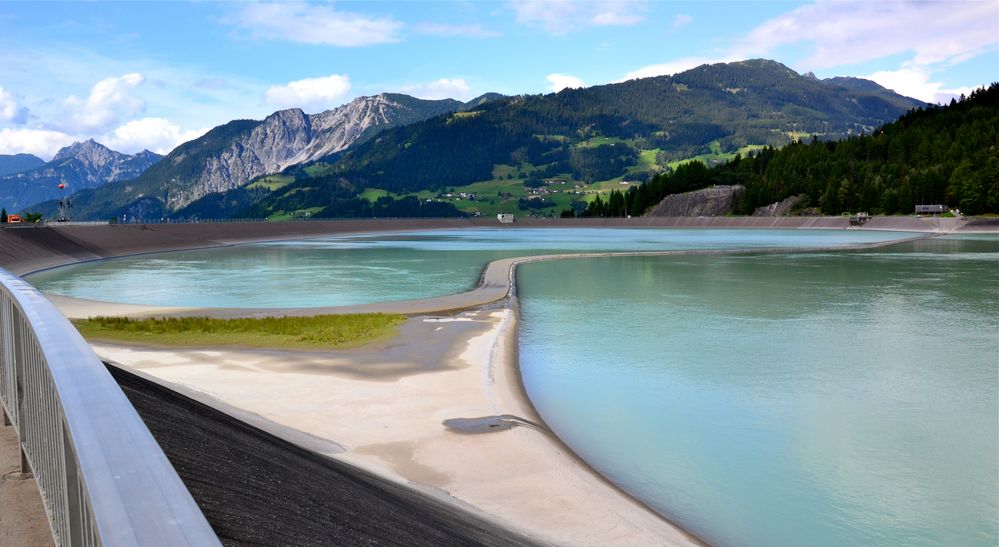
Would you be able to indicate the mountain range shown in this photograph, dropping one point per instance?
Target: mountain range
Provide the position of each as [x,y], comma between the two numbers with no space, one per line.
[391,146]
[593,139]
[16,163]
[235,153]
[79,166]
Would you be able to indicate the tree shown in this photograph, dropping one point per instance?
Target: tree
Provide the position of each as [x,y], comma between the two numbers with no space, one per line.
[3,216]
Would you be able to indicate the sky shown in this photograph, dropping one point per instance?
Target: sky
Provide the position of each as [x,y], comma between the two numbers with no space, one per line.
[151,75]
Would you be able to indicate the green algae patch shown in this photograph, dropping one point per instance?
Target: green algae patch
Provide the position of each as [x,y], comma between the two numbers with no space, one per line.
[316,332]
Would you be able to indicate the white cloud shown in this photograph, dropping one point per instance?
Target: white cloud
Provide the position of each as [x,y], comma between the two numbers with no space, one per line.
[616,17]
[672,67]
[681,20]
[311,94]
[561,17]
[109,102]
[10,110]
[189,95]
[316,24]
[844,33]
[464,31]
[40,142]
[156,134]
[444,88]
[914,81]
[561,81]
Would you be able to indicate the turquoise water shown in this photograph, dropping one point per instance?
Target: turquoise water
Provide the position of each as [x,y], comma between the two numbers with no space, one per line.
[359,269]
[846,398]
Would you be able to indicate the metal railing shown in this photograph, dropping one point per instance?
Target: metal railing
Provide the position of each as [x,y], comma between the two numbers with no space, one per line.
[137,222]
[103,478]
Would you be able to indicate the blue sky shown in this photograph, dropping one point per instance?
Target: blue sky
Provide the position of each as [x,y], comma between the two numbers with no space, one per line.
[137,75]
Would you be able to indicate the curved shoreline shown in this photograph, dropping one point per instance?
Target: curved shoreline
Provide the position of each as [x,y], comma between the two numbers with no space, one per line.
[496,282]
[510,359]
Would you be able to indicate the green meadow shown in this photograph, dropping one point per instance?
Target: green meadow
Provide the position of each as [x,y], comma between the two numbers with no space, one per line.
[315,332]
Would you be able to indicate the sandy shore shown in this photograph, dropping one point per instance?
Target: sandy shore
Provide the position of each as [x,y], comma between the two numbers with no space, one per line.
[384,407]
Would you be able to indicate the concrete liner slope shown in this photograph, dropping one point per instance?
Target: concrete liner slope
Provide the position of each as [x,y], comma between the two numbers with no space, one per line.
[257,489]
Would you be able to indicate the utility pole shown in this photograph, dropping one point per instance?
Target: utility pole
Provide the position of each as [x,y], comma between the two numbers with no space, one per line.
[64,204]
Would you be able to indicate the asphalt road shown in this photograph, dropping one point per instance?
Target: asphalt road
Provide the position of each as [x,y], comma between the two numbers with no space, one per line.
[256,489]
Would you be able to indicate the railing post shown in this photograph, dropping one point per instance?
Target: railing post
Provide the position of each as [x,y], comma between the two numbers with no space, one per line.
[74,494]
[17,355]
[25,464]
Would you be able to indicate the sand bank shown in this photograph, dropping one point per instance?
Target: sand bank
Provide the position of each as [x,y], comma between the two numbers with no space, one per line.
[383,409]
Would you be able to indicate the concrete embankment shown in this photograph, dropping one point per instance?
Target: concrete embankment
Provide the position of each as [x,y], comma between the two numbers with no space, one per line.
[29,248]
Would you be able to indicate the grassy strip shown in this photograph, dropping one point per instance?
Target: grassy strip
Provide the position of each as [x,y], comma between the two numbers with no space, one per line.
[317,332]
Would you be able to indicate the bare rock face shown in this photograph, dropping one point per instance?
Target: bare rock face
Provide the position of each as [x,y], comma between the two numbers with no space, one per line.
[358,120]
[780,208]
[265,149]
[290,137]
[707,202]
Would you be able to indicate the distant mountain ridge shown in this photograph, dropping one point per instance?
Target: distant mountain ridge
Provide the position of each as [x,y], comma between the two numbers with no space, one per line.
[16,163]
[403,146]
[599,134]
[231,155]
[80,166]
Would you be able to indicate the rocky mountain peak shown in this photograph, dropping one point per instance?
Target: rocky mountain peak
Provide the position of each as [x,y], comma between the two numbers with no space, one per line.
[82,165]
[358,120]
[290,116]
[89,147]
[92,154]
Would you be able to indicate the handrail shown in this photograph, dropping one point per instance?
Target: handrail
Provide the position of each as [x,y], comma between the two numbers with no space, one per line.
[103,478]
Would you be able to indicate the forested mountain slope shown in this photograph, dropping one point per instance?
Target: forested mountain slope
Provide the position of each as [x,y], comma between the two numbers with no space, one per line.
[936,155]
[17,163]
[604,133]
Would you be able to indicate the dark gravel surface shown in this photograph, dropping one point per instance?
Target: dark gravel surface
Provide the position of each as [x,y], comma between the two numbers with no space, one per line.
[256,489]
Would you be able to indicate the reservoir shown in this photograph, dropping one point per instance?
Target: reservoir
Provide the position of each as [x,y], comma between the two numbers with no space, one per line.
[844,397]
[359,269]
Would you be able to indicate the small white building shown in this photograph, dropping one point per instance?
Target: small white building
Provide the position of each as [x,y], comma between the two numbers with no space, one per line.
[934,209]
[505,218]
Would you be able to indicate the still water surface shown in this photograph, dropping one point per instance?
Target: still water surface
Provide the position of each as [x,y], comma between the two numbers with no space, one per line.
[359,269]
[849,398]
